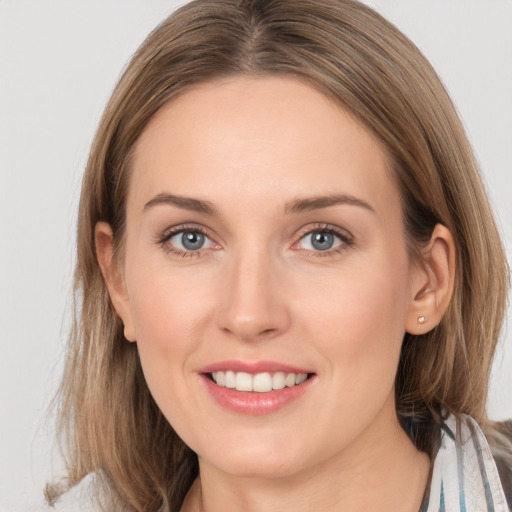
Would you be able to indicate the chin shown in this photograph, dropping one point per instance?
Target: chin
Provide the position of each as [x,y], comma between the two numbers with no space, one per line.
[256,460]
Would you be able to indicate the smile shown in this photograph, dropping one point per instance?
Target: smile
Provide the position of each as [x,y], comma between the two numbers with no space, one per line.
[259,383]
[256,388]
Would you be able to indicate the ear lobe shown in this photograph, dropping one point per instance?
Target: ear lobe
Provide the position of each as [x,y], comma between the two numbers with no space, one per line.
[433,282]
[114,279]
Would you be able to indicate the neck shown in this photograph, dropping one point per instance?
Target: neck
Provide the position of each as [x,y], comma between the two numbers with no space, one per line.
[380,469]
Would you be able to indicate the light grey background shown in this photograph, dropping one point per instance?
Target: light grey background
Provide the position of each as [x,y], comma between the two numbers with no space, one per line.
[59,60]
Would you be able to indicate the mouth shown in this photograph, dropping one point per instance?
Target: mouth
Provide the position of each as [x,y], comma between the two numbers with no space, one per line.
[263,382]
[258,387]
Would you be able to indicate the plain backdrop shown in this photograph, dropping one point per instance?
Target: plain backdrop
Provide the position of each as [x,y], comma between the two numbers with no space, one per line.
[59,61]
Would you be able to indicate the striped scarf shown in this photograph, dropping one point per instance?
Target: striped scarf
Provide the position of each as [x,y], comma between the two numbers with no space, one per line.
[464,475]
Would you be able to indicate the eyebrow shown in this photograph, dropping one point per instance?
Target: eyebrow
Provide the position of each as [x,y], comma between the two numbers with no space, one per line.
[186,203]
[307,204]
[298,205]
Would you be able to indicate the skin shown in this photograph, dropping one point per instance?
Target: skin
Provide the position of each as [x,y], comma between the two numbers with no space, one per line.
[258,290]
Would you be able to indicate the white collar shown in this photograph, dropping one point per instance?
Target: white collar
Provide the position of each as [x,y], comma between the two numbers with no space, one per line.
[464,476]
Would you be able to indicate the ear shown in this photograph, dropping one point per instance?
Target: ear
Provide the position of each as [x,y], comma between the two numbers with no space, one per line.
[113,276]
[432,281]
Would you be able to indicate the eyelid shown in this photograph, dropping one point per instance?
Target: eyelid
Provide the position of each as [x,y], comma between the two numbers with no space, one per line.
[345,236]
[322,226]
[164,238]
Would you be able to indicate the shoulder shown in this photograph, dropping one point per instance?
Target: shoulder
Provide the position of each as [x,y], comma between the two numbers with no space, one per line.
[465,474]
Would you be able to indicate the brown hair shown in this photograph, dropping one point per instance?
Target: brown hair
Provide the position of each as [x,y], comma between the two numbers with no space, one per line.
[350,53]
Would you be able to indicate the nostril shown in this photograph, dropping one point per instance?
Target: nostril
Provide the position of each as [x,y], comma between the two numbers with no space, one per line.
[249,331]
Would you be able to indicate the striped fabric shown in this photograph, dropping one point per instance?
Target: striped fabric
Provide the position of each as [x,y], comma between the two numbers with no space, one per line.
[464,475]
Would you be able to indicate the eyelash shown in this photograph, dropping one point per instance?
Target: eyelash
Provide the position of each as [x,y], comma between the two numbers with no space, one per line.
[165,237]
[346,238]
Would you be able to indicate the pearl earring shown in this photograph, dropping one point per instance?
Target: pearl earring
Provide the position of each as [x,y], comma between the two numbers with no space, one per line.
[421,320]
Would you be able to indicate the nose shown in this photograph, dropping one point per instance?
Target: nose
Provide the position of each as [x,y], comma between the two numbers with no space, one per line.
[253,304]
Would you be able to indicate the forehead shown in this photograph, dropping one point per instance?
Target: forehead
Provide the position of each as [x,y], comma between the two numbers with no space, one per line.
[258,139]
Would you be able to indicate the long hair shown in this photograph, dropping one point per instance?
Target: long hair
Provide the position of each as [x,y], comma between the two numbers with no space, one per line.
[109,422]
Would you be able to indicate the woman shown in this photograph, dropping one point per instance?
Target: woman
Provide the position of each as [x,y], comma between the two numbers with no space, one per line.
[291,283]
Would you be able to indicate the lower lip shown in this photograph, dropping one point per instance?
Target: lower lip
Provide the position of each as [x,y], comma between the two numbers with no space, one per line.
[254,403]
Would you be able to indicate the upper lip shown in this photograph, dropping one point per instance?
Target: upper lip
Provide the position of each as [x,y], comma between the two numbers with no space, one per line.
[252,367]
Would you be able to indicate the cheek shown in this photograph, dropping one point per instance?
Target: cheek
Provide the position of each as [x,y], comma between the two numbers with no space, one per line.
[168,303]
[161,314]
[168,325]
[169,312]
[359,322]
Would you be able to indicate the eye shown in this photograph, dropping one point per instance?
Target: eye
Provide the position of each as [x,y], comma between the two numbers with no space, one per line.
[186,242]
[320,241]
[324,240]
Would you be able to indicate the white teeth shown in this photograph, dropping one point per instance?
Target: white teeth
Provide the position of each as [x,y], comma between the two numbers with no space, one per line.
[278,380]
[229,379]
[290,380]
[243,381]
[260,382]
[301,377]
[220,378]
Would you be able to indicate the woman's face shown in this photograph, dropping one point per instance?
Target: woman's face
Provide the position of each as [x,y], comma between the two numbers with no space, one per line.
[264,238]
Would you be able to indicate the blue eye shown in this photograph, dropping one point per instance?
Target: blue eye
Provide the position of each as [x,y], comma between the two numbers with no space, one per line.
[186,241]
[322,240]
[192,241]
